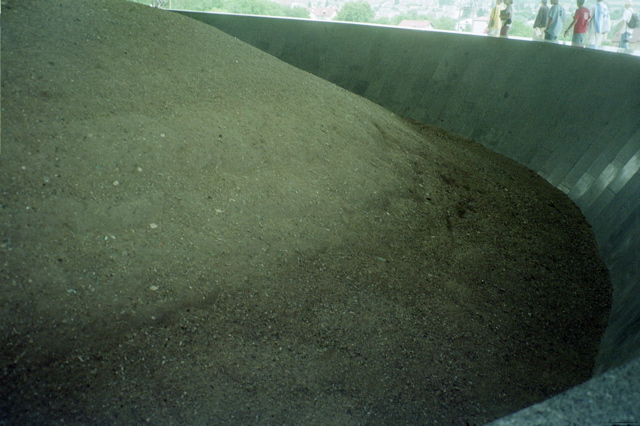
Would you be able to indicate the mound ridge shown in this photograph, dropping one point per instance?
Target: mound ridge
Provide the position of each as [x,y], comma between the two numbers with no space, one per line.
[263,145]
[195,231]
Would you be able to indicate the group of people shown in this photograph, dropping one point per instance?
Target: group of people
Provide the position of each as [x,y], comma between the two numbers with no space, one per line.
[589,25]
[500,19]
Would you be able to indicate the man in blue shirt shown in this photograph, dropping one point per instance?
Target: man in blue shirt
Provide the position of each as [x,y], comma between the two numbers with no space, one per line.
[600,23]
[556,19]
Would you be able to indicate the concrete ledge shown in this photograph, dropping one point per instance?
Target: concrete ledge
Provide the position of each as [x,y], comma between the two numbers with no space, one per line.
[612,398]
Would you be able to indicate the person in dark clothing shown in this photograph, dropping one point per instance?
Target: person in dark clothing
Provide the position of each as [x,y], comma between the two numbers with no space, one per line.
[541,21]
[507,18]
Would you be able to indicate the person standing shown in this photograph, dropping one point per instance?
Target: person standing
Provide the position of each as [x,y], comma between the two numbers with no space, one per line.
[600,23]
[580,25]
[506,16]
[556,19]
[494,19]
[540,23]
[625,32]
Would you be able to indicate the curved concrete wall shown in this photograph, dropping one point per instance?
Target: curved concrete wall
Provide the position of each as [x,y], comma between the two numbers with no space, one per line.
[572,115]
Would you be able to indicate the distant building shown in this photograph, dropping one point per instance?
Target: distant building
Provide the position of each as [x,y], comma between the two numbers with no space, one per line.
[322,13]
[463,24]
[479,25]
[418,25]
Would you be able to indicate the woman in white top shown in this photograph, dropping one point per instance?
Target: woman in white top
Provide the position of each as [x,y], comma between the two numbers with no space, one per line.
[625,32]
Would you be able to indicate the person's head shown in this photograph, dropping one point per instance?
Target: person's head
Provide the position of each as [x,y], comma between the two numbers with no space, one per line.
[580,3]
[554,1]
[543,3]
[627,4]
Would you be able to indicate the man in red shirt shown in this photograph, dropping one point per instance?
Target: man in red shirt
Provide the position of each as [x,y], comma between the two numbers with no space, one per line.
[580,23]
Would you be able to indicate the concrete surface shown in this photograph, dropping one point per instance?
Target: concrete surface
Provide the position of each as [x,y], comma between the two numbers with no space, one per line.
[570,114]
[604,400]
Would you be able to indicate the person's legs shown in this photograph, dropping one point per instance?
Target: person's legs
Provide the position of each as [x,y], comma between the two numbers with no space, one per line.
[578,39]
[599,37]
[549,37]
[624,40]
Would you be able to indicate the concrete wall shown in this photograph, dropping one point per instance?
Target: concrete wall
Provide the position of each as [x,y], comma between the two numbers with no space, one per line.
[572,115]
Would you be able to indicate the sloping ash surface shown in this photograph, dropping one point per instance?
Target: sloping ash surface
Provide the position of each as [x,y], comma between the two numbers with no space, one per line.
[195,232]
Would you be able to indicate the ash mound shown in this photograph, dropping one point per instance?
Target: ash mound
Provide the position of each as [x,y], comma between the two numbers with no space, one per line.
[194,231]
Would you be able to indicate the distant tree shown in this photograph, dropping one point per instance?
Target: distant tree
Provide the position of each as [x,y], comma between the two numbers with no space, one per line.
[520,29]
[217,5]
[396,19]
[296,12]
[199,5]
[247,7]
[526,14]
[444,23]
[384,21]
[356,11]
[254,7]
[446,2]
[616,14]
